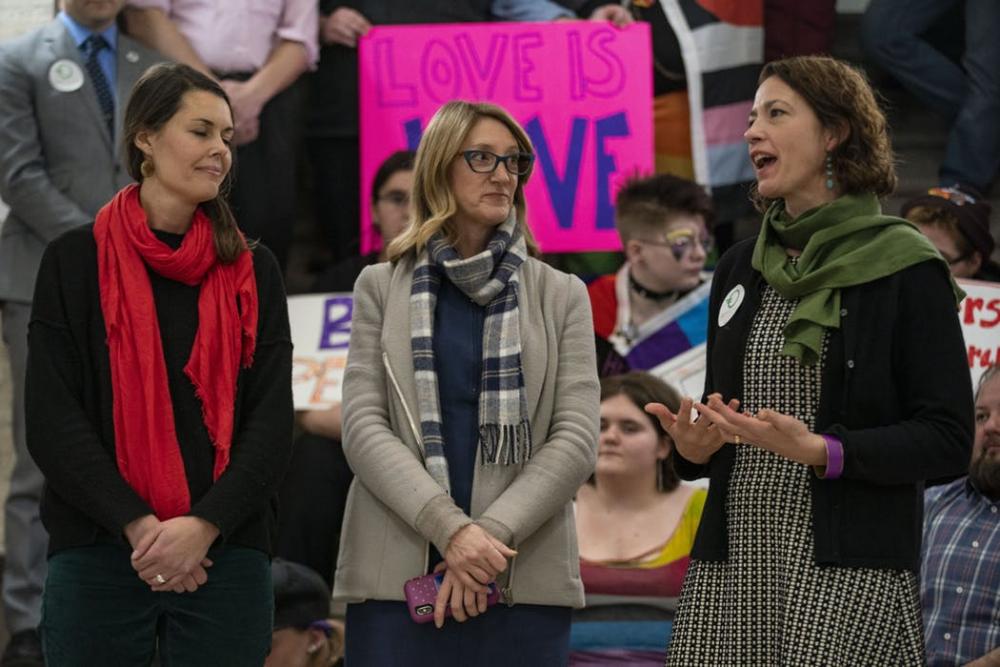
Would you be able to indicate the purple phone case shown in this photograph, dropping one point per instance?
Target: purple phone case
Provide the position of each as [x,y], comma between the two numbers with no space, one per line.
[421,593]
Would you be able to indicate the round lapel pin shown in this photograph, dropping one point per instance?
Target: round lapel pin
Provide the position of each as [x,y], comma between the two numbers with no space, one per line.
[132,56]
[731,304]
[65,76]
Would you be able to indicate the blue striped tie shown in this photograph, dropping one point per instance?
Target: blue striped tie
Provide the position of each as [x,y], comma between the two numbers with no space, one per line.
[92,46]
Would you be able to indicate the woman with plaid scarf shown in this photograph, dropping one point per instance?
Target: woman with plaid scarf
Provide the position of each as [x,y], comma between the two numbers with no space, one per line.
[470,416]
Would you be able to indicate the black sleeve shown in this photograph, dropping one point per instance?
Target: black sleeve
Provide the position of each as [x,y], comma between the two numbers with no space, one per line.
[934,391]
[263,443]
[61,436]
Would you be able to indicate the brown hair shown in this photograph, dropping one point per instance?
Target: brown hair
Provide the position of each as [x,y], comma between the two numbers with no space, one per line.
[646,205]
[397,162]
[642,388]
[841,97]
[432,202]
[154,100]
[988,375]
[945,220]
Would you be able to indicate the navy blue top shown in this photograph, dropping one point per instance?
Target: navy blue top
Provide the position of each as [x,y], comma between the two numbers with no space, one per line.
[458,360]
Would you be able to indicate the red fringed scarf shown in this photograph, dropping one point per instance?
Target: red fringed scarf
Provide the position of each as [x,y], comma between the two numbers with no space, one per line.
[149,457]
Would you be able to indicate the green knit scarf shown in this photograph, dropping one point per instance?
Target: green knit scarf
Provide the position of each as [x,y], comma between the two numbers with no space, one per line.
[845,242]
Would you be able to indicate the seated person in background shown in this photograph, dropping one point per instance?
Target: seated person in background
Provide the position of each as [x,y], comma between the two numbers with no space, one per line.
[314,491]
[636,525]
[960,573]
[656,306]
[957,222]
[303,636]
[390,211]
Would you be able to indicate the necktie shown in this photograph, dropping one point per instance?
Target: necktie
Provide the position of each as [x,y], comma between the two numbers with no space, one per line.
[93,45]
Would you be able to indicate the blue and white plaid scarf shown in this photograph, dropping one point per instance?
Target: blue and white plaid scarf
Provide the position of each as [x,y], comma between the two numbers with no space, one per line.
[490,279]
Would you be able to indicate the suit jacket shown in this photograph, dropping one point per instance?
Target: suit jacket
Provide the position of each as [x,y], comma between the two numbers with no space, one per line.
[395,508]
[58,164]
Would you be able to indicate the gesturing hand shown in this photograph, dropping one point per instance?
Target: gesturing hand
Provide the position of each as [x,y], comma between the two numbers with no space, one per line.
[175,553]
[475,557]
[464,601]
[771,430]
[695,440]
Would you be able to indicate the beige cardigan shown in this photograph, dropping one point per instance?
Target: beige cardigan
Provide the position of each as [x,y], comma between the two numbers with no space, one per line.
[394,507]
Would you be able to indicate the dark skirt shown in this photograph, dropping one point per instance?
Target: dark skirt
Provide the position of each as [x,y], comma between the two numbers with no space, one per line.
[382,634]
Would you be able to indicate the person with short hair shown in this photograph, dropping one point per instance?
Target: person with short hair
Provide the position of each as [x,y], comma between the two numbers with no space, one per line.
[469,416]
[957,222]
[304,635]
[960,567]
[159,403]
[837,383]
[656,306]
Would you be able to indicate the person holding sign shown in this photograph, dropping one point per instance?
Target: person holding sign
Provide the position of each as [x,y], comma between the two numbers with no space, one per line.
[836,384]
[159,403]
[469,417]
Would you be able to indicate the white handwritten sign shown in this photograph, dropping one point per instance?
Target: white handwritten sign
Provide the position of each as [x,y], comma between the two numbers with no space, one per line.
[980,314]
[321,331]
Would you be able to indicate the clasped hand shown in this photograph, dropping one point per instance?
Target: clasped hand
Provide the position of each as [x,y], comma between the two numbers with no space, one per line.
[174,549]
[719,422]
[473,559]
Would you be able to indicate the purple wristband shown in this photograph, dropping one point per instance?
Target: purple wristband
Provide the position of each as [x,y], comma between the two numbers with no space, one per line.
[834,457]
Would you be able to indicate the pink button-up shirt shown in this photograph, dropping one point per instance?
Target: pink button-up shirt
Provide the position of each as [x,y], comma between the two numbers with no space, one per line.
[238,35]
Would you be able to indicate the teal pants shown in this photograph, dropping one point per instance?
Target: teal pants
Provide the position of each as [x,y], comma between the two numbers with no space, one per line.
[96,611]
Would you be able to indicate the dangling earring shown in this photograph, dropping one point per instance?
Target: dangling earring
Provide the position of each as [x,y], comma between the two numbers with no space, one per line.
[659,474]
[146,168]
[829,171]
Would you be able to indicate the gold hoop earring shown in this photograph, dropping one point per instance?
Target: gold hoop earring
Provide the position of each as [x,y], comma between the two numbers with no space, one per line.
[146,168]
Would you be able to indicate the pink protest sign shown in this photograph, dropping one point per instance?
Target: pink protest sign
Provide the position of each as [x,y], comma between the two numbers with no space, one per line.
[582,91]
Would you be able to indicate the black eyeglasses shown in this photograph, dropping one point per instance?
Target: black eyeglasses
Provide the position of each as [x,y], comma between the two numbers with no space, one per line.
[956,260]
[485,162]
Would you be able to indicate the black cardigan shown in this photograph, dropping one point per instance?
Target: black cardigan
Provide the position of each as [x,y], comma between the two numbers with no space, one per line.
[68,405]
[895,389]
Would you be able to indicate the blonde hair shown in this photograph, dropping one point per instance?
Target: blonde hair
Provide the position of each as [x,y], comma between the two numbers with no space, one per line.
[432,203]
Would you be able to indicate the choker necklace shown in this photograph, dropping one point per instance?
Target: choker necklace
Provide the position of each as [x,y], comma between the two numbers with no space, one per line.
[647,293]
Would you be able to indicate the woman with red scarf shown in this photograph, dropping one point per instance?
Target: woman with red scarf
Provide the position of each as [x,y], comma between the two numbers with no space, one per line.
[158,403]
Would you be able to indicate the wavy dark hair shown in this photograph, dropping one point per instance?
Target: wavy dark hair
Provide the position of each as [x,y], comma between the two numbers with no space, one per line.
[154,100]
[841,98]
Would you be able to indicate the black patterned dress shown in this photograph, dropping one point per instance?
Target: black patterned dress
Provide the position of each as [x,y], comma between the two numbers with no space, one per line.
[770,604]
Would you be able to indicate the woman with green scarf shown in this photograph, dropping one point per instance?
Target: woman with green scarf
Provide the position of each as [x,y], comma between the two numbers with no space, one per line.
[836,385]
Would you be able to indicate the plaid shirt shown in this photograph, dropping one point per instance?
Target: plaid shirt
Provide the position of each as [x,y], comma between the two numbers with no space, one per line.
[960,576]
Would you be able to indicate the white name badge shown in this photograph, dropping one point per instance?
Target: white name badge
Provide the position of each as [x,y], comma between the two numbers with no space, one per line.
[65,76]
[731,304]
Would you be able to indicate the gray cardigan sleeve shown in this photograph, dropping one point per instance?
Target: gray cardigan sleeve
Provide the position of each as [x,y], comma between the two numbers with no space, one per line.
[558,468]
[391,470]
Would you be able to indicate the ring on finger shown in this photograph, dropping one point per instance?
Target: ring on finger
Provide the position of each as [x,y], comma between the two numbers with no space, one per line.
[159,579]
[737,440]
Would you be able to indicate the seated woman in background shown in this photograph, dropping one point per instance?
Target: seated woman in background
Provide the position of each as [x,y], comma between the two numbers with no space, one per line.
[314,492]
[957,222]
[636,524]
